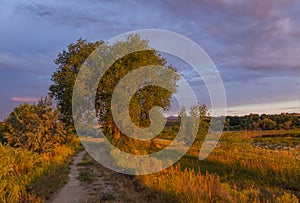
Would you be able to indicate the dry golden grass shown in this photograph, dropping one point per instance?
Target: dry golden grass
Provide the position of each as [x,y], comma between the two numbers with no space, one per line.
[191,186]
[243,172]
[21,172]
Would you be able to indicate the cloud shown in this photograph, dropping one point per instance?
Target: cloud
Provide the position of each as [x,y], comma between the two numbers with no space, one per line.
[24,99]
[251,42]
[289,106]
[30,62]
[249,34]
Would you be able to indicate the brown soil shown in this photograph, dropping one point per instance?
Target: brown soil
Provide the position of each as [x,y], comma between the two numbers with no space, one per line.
[73,191]
[103,185]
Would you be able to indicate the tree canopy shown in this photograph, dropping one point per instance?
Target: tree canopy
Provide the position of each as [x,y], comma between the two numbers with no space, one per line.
[70,61]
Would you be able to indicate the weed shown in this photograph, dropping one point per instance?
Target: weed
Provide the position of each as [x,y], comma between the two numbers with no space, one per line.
[107,197]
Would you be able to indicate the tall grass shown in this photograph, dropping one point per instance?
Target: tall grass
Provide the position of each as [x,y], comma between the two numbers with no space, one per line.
[242,173]
[245,163]
[191,186]
[21,171]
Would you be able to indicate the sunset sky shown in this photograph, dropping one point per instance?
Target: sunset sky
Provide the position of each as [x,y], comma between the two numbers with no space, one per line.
[254,44]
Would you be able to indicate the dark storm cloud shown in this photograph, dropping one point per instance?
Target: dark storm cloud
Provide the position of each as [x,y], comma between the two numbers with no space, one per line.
[249,34]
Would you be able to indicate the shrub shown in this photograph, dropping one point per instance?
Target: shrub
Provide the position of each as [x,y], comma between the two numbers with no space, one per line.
[35,127]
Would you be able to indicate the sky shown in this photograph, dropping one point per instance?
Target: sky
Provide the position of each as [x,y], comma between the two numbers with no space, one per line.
[254,44]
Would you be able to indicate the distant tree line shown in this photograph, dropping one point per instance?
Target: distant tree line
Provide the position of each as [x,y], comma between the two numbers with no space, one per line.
[251,122]
[254,122]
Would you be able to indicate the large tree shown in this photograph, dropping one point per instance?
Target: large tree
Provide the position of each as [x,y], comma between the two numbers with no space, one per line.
[70,61]
[68,64]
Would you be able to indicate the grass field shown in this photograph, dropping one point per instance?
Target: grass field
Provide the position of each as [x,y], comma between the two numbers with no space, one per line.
[244,167]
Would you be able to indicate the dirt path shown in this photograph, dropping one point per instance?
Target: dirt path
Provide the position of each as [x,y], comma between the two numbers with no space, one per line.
[91,182]
[105,185]
[73,191]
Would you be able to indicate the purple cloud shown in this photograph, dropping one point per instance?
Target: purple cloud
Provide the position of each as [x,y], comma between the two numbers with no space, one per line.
[24,99]
[253,43]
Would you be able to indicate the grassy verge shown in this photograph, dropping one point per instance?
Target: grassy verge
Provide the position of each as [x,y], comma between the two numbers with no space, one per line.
[32,177]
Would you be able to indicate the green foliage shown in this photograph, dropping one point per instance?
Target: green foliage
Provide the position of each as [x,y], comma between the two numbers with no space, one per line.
[68,63]
[256,122]
[3,128]
[35,127]
[142,101]
[251,122]
[107,196]
[85,176]
[197,113]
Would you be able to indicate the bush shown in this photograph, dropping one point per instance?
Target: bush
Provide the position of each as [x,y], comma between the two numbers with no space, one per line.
[35,127]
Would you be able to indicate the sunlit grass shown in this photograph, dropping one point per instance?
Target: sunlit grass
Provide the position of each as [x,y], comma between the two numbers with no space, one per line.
[190,186]
[29,177]
[251,173]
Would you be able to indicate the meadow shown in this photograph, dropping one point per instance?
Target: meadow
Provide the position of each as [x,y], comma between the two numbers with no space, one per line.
[246,166]
[246,170]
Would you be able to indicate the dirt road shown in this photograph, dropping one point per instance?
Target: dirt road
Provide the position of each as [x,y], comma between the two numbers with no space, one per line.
[91,182]
[73,191]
